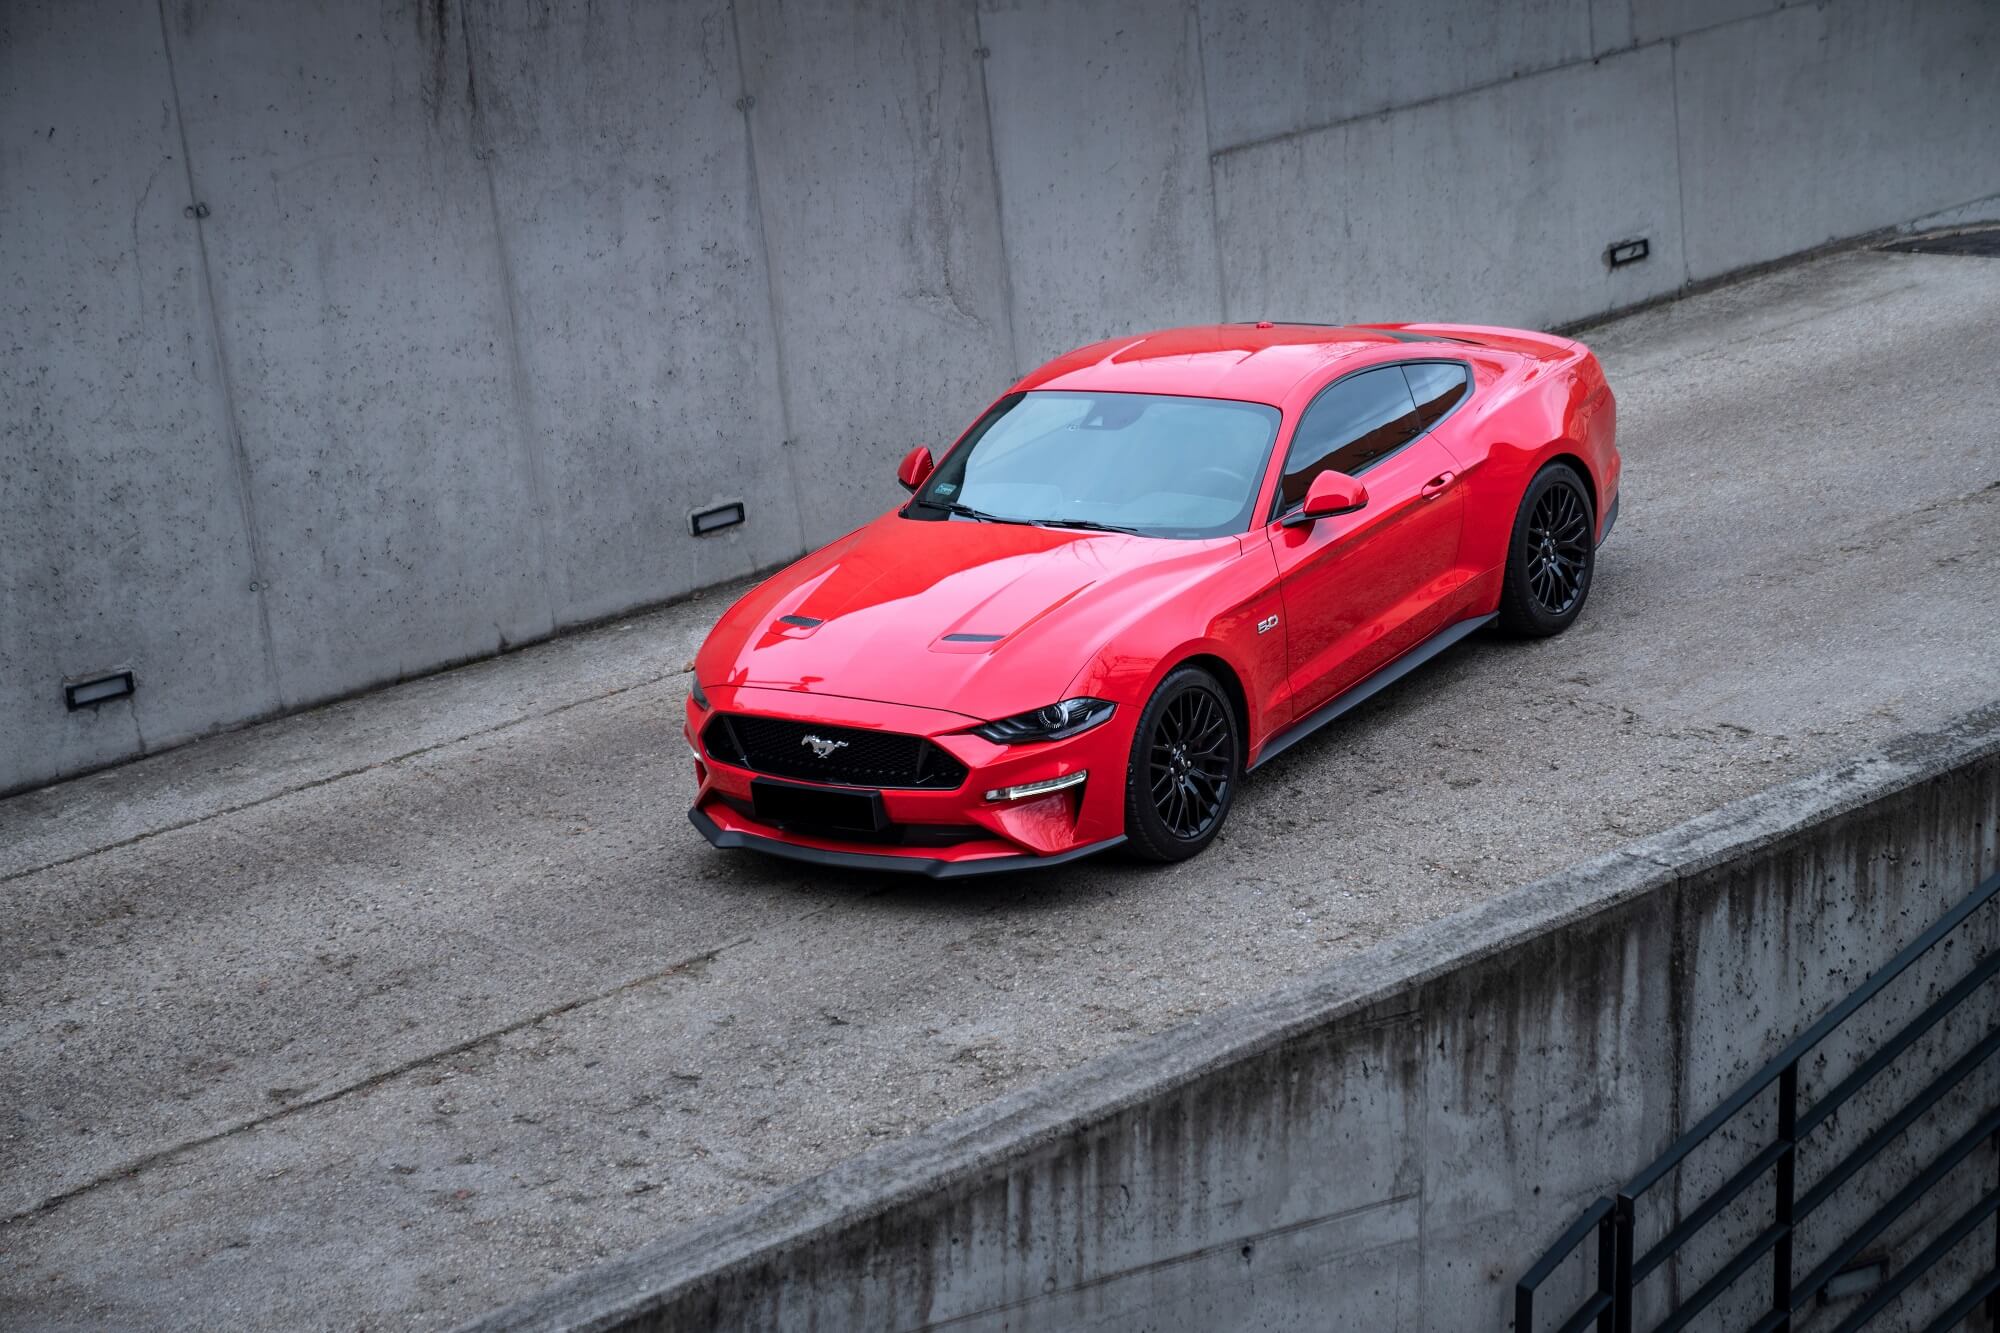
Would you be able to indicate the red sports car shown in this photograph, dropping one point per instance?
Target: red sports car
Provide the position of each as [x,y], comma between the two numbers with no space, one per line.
[1150,566]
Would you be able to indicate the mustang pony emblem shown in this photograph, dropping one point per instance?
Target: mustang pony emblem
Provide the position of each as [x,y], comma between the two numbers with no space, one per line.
[822,748]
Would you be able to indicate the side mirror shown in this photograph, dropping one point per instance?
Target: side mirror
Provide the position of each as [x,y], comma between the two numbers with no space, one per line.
[1330,493]
[916,465]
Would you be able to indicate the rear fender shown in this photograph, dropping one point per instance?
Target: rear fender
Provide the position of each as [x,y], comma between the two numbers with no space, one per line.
[1560,408]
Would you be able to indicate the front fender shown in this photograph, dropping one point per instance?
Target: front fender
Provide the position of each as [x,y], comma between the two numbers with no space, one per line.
[1217,617]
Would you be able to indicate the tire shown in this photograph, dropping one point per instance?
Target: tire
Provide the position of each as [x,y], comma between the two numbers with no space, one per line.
[1550,557]
[1177,795]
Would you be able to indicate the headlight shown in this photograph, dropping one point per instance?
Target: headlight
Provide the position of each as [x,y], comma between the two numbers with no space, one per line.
[700,699]
[1047,724]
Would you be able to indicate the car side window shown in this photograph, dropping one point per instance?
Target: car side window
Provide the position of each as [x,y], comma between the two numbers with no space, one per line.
[1360,419]
[1437,387]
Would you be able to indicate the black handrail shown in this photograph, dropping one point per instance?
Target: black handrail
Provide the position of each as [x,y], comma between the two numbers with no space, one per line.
[1879,1220]
[1837,1175]
[1609,1308]
[1922,1264]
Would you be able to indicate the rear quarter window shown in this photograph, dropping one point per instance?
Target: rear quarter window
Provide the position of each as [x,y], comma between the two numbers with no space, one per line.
[1436,387]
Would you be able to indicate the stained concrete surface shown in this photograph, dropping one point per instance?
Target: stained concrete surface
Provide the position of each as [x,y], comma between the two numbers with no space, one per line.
[1276,68]
[481,300]
[1141,239]
[1503,253]
[870,127]
[1861,68]
[122,536]
[411,1005]
[1391,1138]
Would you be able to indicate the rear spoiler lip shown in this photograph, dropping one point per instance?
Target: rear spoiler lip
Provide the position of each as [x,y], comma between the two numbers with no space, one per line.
[1548,345]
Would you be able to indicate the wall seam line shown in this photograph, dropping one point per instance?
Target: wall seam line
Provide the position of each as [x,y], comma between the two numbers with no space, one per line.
[1989,197]
[1522,76]
[1208,144]
[1680,159]
[232,429]
[1423,1027]
[984,56]
[746,101]
[517,364]
[1679,983]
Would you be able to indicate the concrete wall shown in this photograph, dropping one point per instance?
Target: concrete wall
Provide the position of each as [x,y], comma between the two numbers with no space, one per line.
[1391,1143]
[489,294]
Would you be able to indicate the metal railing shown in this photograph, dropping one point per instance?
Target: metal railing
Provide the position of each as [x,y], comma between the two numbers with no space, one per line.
[1619,1270]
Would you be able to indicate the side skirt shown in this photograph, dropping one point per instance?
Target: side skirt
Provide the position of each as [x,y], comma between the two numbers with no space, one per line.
[1367,689]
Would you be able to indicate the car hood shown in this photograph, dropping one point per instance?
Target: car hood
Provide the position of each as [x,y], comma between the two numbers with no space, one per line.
[980,619]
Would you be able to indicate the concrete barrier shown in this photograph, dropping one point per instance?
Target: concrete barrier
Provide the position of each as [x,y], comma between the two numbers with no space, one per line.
[343,346]
[1390,1143]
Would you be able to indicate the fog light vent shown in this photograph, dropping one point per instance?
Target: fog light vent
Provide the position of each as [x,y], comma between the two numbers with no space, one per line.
[90,691]
[1042,788]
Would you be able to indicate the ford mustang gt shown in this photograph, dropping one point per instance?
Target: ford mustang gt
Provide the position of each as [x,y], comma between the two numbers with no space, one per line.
[1152,565]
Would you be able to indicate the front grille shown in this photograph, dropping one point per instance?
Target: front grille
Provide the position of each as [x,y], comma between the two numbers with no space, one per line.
[777,746]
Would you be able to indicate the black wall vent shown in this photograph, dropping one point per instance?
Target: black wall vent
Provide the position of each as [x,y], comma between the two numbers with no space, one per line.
[704,521]
[90,691]
[1620,253]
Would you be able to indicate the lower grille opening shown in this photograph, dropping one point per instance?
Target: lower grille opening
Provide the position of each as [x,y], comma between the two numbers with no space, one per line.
[814,752]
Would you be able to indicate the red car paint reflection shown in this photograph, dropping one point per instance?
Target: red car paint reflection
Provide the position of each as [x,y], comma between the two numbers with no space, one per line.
[927,624]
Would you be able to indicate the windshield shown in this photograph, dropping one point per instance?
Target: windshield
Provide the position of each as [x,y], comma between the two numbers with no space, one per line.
[1146,463]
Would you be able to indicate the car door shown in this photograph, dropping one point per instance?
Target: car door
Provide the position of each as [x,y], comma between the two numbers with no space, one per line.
[1360,589]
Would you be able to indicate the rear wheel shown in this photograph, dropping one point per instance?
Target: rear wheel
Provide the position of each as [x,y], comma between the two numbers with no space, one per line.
[1181,776]
[1551,557]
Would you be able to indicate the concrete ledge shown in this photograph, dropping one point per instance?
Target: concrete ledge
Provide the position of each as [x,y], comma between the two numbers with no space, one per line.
[857,1246]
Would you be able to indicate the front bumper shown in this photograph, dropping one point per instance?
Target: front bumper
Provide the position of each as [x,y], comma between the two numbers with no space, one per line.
[833,855]
[940,833]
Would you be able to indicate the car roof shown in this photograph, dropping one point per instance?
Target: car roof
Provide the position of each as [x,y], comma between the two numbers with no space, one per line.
[1259,363]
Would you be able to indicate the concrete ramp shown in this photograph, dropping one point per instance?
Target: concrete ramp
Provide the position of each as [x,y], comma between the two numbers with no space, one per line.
[1387,1144]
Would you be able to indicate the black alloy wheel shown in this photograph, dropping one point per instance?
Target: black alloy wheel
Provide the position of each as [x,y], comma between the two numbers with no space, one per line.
[1182,775]
[1552,556]
[1558,549]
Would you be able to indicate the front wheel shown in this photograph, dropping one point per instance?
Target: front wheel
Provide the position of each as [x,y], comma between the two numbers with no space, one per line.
[1551,556]
[1182,773]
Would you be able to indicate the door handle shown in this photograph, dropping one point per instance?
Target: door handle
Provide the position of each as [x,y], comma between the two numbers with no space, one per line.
[1436,485]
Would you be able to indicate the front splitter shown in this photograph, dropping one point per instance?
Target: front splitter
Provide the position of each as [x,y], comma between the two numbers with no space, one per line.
[931,867]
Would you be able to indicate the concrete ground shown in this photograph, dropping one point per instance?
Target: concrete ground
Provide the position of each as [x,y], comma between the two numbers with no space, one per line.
[382,1015]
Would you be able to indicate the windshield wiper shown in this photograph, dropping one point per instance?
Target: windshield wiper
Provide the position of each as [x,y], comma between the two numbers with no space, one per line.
[967,511]
[1088,524]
